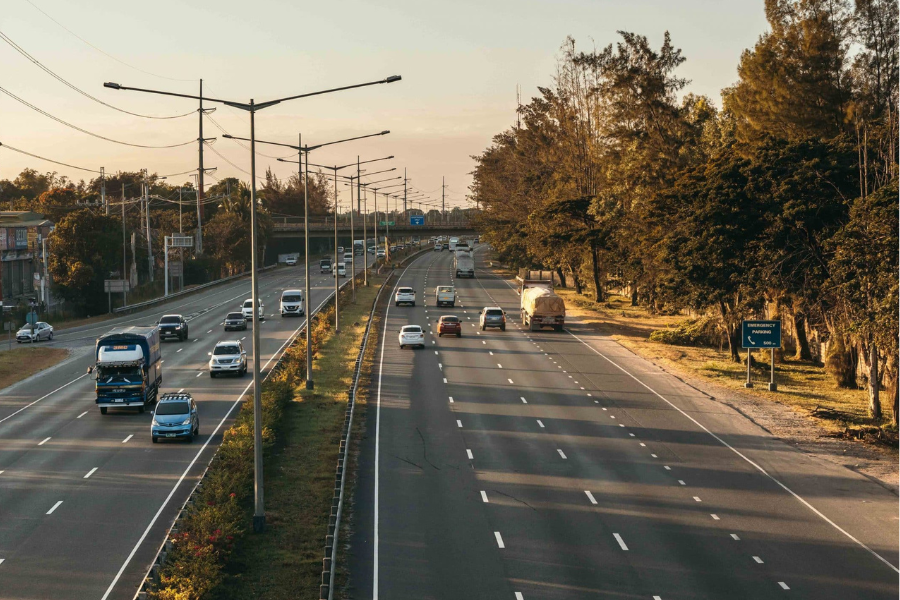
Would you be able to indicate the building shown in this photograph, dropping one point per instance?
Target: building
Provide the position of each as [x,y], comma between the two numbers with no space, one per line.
[22,236]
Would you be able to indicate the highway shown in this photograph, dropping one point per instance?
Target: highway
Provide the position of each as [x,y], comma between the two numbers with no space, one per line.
[528,465]
[85,499]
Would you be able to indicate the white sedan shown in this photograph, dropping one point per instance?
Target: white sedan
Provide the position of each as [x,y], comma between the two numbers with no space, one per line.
[35,333]
[412,335]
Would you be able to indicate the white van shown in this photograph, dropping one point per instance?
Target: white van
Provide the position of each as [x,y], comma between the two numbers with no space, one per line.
[348,258]
[247,309]
[292,303]
[341,270]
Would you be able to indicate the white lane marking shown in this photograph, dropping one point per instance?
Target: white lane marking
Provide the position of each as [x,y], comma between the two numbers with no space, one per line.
[589,396]
[483,342]
[484,496]
[440,366]
[667,467]
[758,560]
[735,537]
[582,387]
[755,465]
[445,380]
[179,350]
[697,499]
[714,516]
[631,434]
[612,416]
[654,456]
[621,541]
[81,415]
[524,401]
[499,366]
[519,595]
[643,445]
[194,340]
[783,585]
[604,408]
[541,425]
[91,472]
[451,399]
[200,373]
[510,380]
[459,423]
[210,331]
[621,425]
[128,438]
[561,453]
[681,482]
[435,352]
[55,506]
[181,390]
[491,353]
[499,539]
[2,559]
[42,397]
[590,497]
[44,442]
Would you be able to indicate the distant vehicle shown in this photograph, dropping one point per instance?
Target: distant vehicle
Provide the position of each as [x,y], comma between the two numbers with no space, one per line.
[325,265]
[411,335]
[380,253]
[358,247]
[476,239]
[173,326]
[348,257]
[128,368]
[464,264]
[540,306]
[444,295]
[34,333]
[175,417]
[450,325]
[405,295]
[453,242]
[340,250]
[492,316]
[228,357]
[341,270]
[235,321]
[438,247]
[446,245]
[291,261]
[371,249]
[292,303]
[247,309]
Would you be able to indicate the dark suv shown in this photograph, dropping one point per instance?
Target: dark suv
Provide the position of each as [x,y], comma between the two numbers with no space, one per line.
[173,326]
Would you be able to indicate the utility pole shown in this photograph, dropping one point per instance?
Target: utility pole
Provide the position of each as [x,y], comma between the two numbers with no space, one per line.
[352,248]
[404,190]
[124,251]
[147,217]
[443,210]
[365,217]
[306,277]
[103,190]
[200,179]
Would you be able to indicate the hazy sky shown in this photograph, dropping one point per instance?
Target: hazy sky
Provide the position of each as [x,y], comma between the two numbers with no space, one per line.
[460,62]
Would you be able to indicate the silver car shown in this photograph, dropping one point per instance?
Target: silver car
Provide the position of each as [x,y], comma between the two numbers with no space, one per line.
[35,333]
[228,357]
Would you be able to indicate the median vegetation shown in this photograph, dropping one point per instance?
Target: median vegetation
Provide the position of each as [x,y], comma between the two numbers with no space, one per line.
[20,363]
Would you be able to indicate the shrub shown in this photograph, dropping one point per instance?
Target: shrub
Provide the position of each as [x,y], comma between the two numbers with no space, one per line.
[690,332]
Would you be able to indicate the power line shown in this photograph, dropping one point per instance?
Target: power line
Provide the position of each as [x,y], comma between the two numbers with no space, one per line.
[44,68]
[219,154]
[107,54]
[56,162]
[241,144]
[75,127]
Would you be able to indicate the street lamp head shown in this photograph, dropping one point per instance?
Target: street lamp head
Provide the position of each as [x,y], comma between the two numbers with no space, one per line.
[392,79]
[385,132]
[227,136]
[112,86]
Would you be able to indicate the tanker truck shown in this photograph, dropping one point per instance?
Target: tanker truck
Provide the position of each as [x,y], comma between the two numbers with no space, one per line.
[540,306]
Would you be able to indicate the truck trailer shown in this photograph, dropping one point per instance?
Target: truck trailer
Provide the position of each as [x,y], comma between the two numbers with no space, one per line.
[464,264]
[128,370]
[540,306]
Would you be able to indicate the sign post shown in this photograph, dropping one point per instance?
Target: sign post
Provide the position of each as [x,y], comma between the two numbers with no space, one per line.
[761,334]
[114,285]
[174,241]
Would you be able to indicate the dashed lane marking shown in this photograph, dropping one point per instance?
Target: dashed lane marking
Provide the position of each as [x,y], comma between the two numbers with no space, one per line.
[484,497]
[621,541]
[55,506]
[590,497]
[469,454]
[499,539]
[91,472]
[561,453]
[44,442]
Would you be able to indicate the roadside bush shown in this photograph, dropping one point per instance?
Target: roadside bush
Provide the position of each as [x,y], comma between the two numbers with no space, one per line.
[690,332]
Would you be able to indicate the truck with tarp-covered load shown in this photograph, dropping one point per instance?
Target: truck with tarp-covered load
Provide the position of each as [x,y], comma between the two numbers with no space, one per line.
[540,306]
[128,369]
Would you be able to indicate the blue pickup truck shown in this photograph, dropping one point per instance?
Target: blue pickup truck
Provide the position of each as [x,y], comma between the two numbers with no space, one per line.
[128,370]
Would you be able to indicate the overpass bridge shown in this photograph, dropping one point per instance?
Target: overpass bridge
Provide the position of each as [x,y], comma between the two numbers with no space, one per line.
[323,227]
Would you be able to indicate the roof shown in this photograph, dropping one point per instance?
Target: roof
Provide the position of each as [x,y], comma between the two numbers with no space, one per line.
[22,218]
[175,396]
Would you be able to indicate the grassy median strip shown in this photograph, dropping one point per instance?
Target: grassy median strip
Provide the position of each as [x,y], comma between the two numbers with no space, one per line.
[286,561]
[19,363]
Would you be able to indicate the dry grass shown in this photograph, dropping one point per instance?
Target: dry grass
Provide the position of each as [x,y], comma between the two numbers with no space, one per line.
[801,385]
[286,561]
[19,363]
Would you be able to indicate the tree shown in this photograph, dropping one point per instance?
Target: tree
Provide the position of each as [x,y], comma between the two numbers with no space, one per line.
[85,247]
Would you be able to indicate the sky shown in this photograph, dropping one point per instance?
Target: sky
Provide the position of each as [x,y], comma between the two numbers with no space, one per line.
[461,62]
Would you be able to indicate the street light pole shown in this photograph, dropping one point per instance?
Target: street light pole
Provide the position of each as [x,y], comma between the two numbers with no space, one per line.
[306,301]
[337,288]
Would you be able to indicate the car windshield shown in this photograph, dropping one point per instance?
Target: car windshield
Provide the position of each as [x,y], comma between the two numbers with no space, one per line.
[227,350]
[493,312]
[173,408]
[234,316]
[169,319]
[129,374]
[450,319]
[291,298]
[445,289]
[248,304]
[412,329]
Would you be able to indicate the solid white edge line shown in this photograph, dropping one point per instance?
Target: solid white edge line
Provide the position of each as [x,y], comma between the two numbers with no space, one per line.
[42,397]
[621,541]
[194,460]
[743,456]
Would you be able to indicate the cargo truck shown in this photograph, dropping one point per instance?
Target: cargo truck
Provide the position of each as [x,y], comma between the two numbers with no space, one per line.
[464,264]
[540,306]
[128,371]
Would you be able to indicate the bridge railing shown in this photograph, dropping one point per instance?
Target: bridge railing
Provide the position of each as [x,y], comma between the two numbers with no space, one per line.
[327,223]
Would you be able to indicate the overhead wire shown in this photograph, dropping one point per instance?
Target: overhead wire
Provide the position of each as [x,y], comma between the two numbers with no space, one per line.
[85,131]
[72,86]
[243,145]
[107,54]
[50,160]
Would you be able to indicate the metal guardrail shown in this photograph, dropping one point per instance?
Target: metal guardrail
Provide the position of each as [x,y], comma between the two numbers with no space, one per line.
[140,305]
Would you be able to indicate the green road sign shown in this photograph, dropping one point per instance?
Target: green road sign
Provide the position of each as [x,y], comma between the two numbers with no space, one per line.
[383,223]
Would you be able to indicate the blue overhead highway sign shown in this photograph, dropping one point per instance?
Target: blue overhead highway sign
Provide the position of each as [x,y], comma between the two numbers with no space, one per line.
[417,219]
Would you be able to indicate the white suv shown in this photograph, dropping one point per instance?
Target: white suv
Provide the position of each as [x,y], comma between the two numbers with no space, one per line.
[228,357]
[405,295]
[292,303]
[247,309]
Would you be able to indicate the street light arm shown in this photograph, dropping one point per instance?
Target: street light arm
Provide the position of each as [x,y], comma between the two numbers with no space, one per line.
[115,86]
[390,79]
[317,146]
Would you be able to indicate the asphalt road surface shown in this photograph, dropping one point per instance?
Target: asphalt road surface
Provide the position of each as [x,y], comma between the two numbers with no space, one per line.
[528,465]
[86,499]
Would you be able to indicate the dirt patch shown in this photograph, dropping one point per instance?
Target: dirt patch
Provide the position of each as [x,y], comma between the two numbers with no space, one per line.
[20,363]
